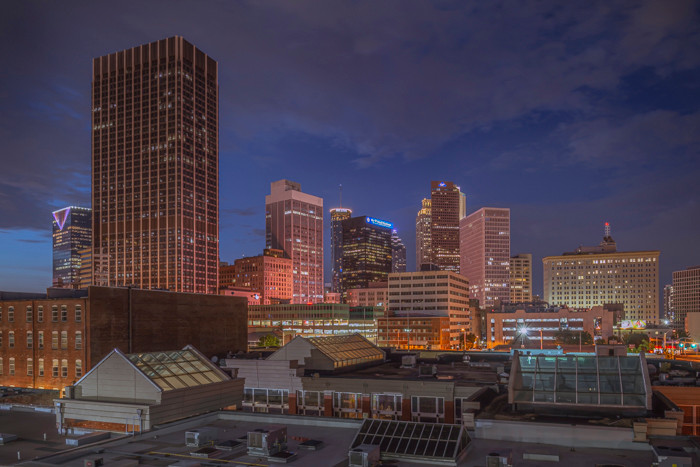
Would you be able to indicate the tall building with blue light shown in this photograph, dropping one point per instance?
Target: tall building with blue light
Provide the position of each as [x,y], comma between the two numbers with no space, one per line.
[367,252]
[72,232]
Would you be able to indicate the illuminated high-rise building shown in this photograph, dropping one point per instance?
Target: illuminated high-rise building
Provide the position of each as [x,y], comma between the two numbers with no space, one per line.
[72,233]
[398,253]
[669,312]
[424,254]
[155,173]
[686,296]
[269,275]
[447,207]
[521,278]
[294,224]
[601,275]
[338,215]
[367,252]
[485,255]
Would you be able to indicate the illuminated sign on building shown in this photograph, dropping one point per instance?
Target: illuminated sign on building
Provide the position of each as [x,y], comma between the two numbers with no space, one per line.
[636,324]
[379,223]
[61,216]
[442,184]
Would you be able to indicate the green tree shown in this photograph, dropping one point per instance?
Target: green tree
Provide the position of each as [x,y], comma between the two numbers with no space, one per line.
[269,341]
[468,340]
[572,337]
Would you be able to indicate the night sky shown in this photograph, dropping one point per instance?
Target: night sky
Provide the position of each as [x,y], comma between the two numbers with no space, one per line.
[569,113]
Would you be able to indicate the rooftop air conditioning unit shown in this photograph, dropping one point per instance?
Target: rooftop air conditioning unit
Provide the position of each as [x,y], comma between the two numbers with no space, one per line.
[427,371]
[408,361]
[364,455]
[200,437]
[502,459]
[265,442]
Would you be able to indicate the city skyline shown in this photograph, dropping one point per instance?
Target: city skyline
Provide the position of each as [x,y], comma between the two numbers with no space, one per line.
[617,144]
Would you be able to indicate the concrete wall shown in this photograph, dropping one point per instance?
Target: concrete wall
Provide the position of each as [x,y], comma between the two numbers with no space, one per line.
[268,374]
[558,434]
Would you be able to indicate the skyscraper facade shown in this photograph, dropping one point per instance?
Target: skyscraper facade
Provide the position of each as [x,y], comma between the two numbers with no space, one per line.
[269,275]
[72,233]
[521,278]
[686,295]
[447,208]
[424,253]
[367,252]
[601,275]
[485,254]
[294,224]
[398,253]
[338,215]
[155,174]
[669,313]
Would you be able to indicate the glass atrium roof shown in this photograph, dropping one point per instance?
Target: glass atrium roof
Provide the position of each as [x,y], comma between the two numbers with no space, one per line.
[581,380]
[438,443]
[176,369]
[349,349]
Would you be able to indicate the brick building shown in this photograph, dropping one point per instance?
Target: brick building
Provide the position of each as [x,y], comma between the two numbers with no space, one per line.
[50,342]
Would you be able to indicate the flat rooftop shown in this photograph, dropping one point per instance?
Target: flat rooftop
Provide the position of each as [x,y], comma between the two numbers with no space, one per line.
[166,445]
[458,372]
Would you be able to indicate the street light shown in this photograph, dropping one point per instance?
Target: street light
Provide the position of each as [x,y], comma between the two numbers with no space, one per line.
[523,335]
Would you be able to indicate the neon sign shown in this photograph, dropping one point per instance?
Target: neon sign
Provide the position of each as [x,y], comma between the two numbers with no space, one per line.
[379,223]
[442,184]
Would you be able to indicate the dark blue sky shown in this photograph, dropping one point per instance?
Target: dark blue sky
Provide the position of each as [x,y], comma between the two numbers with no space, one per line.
[569,113]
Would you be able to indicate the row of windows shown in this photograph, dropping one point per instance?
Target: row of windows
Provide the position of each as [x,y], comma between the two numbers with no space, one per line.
[11,368]
[29,313]
[40,340]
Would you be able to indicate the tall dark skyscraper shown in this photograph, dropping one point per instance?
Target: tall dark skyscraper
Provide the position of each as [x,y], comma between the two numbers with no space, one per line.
[366,252]
[398,253]
[155,174]
[447,207]
[338,215]
[72,232]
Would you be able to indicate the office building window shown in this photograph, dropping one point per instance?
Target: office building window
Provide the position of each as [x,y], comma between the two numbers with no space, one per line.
[78,368]
[64,340]
[54,313]
[78,340]
[40,314]
[64,368]
[41,339]
[30,339]
[54,368]
[54,340]
[11,314]
[78,313]
[41,367]
[30,367]
[1,366]
[64,313]
[12,366]
[30,314]
[11,339]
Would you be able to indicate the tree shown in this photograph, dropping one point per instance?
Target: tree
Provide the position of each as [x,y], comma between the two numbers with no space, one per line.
[640,342]
[469,341]
[572,337]
[269,341]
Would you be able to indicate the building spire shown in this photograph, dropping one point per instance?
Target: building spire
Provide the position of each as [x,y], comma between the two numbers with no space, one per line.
[607,229]
[340,189]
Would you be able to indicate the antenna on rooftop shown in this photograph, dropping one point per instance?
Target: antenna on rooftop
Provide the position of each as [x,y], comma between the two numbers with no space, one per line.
[340,189]
[607,229]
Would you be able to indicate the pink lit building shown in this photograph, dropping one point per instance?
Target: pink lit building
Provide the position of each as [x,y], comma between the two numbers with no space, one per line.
[294,224]
[485,254]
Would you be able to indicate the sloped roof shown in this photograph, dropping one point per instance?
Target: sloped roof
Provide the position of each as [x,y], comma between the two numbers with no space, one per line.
[177,369]
[347,347]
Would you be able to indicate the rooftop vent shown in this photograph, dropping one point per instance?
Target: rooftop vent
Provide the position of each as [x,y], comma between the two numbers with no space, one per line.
[364,455]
